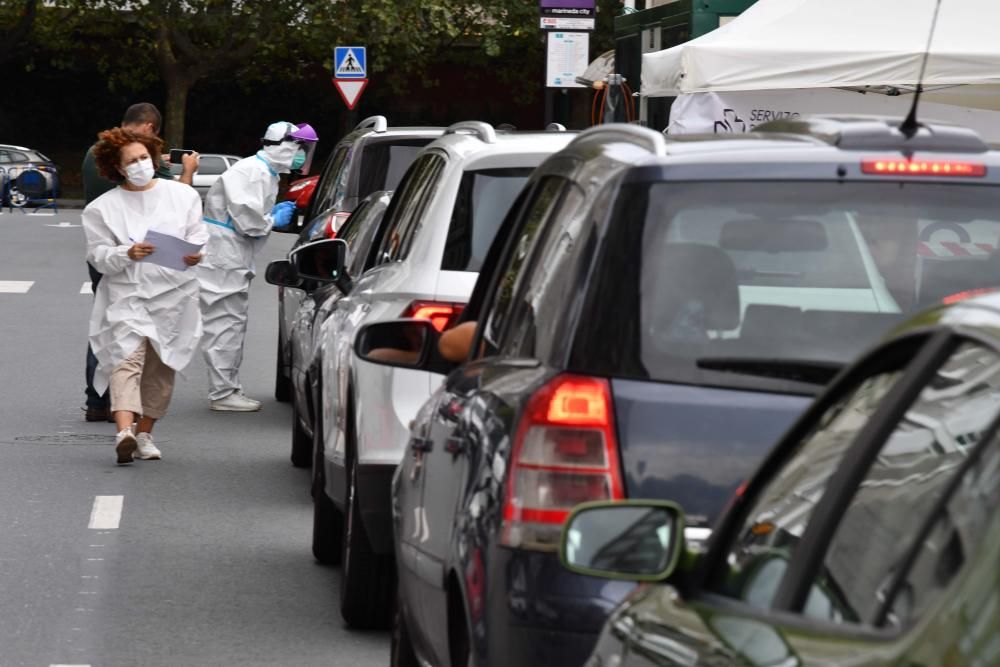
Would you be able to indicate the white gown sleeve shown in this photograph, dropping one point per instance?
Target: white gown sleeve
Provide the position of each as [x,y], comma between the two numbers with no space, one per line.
[247,197]
[103,251]
[195,229]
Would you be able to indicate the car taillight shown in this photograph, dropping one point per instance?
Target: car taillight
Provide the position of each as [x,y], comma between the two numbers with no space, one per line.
[333,223]
[565,453]
[897,167]
[440,314]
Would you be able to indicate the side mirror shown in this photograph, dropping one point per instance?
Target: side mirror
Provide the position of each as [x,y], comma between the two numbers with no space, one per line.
[634,540]
[282,273]
[321,260]
[403,343]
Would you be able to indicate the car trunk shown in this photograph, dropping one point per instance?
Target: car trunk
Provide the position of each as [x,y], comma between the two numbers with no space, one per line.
[693,444]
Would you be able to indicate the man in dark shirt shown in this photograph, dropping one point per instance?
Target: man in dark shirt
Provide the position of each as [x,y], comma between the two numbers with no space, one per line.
[141,118]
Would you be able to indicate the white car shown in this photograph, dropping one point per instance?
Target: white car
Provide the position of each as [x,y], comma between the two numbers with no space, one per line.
[437,230]
[210,167]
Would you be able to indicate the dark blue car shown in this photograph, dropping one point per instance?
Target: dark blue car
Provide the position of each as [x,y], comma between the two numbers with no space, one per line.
[653,316]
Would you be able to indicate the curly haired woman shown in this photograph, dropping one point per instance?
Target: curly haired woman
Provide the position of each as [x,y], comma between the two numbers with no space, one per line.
[146,321]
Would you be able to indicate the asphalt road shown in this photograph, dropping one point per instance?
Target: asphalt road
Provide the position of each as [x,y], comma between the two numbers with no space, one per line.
[210,561]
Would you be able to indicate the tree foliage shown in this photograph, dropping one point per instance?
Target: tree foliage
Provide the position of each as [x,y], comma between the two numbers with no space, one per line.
[16,22]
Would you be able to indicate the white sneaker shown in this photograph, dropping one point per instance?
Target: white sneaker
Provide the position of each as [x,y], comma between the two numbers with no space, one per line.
[125,446]
[236,402]
[147,450]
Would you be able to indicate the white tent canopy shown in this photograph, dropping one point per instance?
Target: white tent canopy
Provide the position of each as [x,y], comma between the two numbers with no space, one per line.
[856,44]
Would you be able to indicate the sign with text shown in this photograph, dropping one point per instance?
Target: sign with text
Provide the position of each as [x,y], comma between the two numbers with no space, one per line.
[568,57]
[555,13]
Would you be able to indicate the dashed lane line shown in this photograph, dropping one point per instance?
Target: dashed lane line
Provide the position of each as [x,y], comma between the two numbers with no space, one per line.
[107,513]
[85,288]
[15,286]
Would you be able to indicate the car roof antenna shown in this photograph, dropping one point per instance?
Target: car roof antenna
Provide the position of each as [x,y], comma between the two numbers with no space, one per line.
[910,125]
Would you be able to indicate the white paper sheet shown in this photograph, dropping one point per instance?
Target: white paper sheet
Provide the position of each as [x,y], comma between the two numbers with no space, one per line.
[170,250]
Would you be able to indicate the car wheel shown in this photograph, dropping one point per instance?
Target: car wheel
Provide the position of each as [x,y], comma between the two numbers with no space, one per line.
[402,653]
[367,579]
[302,446]
[328,522]
[282,384]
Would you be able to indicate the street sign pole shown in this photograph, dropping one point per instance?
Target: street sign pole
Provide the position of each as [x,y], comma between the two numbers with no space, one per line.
[567,25]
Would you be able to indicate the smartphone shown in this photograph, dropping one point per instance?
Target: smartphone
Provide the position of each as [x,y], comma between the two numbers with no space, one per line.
[177,153]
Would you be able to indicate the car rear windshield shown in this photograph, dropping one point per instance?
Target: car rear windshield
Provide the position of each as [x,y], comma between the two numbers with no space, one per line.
[712,274]
[384,163]
[484,197]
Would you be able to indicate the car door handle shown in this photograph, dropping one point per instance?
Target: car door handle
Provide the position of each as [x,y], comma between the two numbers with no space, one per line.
[455,445]
[421,445]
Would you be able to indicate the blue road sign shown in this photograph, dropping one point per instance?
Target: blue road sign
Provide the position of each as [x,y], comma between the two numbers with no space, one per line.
[350,62]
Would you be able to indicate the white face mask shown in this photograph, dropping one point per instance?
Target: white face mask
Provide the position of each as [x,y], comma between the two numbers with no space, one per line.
[140,173]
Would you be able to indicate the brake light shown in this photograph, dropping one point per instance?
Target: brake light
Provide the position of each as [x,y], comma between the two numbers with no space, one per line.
[333,223]
[968,294]
[441,314]
[896,167]
[565,453]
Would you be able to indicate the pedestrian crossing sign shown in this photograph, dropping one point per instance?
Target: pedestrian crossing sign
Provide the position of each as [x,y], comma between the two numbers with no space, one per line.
[350,62]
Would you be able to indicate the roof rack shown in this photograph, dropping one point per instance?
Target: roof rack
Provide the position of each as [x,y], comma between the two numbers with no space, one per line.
[555,127]
[484,131]
[652,141]
[879,133]
[377,123]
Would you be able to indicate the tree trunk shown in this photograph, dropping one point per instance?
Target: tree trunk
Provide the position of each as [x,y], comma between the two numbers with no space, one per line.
[178,86]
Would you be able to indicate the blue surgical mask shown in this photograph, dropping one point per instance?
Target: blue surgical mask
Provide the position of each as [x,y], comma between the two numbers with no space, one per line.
[299,160]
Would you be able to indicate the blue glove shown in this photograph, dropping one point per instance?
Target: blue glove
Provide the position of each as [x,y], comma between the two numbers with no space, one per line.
[282,214]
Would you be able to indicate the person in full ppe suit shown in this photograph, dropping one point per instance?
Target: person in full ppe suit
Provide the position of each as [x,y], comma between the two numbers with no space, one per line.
[146,322]
[240,213]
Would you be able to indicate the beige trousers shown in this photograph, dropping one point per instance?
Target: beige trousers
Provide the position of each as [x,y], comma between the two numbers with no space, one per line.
[142,383]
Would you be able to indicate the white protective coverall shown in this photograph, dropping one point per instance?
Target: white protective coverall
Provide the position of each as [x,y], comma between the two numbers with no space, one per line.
[137,300]
[238,216]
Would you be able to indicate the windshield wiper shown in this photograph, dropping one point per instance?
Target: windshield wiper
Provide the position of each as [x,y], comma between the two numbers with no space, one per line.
[801,370]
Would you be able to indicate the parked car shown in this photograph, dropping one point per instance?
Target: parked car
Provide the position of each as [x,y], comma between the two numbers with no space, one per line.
[372,157]
[321,297]
[437,229]
[869,536]
[210,167]
[661,312]
[38,174]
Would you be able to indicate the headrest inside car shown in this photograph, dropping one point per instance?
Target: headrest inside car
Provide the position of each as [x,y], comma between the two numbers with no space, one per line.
[696,272]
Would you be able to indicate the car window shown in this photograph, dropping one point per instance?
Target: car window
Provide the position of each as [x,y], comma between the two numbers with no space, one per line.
[211,166]
[356,231]
[383,163]
[953,539]
[907,479]
[364,255]
[4,157]
[782,510]
[408,205]
[702,272]
[323,197]
[18,156]
[483,199]
[547,284]
[535,214]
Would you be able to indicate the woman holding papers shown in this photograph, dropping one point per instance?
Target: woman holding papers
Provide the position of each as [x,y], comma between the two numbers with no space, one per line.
[146,321]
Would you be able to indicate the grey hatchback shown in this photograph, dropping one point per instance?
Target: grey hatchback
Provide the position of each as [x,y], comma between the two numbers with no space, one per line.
[659,313]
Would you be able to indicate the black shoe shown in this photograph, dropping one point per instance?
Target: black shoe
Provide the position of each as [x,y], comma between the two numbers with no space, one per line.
[99,415]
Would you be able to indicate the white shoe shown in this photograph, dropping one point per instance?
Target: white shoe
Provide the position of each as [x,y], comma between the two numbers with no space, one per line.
[147,450]
[236,402]
[125,446]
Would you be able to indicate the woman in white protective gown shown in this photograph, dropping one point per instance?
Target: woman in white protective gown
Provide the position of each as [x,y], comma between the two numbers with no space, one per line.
[146,321]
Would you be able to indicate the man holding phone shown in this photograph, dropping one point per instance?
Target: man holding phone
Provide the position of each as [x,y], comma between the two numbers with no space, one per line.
[142,118]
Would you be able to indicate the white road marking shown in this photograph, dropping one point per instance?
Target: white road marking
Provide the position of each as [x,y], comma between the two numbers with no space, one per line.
[69,665]
[107,512]
[85,288]
[16,286]
[62,224]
